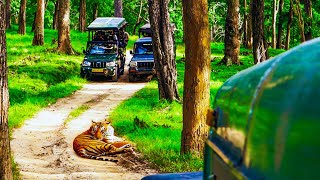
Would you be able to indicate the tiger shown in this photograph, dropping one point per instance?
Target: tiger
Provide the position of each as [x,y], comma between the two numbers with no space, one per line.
[106,134]
[89,144]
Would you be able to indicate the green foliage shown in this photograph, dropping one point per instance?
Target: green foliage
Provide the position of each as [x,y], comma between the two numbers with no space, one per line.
[38,77]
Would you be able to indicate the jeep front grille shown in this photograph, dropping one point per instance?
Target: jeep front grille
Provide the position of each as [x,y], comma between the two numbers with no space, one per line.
[98,64]
[145,64]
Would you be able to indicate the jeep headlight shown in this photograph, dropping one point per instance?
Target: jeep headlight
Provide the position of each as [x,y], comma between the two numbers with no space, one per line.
[112,63]
[133,64]
[86,63]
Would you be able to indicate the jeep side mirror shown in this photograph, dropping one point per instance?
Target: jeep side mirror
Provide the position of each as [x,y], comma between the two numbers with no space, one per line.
[131,52]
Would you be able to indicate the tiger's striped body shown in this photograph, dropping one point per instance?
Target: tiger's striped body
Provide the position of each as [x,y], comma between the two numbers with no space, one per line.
[89,144]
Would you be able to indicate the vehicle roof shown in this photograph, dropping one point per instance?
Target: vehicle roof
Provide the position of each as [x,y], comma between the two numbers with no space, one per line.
[144,40]
[107,23]
[145,28]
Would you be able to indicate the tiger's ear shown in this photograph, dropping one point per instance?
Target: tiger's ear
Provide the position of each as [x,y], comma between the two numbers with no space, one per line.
[107,121]
[93,121]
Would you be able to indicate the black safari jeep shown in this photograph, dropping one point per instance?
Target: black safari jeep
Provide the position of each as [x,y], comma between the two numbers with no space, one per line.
[106,47]
[142,62]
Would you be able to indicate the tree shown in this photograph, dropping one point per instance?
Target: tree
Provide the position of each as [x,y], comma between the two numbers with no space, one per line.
[247,25]
[5,160]
[22,17]
[39,24]
[163,49]
[118,9]
[82,16]
[55,15]
[297,11]
[95,10]
[281,20]
[196,95]
[8,13]
[287,45]
[274,23]
[232,38]
[64,42]
[308,22]
[260,48]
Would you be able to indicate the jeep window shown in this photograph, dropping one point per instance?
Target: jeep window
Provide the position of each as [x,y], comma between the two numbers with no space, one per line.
[102,48]
[143,48]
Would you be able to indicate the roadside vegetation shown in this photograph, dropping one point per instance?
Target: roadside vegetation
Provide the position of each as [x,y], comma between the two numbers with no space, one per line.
[38,77]
[156,126]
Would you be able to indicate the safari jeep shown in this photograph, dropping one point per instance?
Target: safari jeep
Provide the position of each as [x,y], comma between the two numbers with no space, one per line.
[142,62]
[106,46]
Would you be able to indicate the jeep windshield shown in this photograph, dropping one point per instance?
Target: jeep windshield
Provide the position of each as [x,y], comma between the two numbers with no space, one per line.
[143,48]
[101,48]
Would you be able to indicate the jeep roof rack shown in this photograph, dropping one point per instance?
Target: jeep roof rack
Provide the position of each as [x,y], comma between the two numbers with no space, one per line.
[107,23]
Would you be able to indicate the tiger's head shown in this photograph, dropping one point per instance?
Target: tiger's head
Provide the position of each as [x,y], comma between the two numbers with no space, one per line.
[94,127]
[105,130]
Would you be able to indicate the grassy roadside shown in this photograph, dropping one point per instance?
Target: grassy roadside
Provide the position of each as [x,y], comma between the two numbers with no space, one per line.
[156,126]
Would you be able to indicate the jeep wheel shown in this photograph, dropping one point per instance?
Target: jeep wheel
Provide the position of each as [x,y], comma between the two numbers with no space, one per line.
[132,78]
[115,76]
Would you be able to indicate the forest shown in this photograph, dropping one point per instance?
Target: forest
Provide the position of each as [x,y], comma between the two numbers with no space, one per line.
[43,57]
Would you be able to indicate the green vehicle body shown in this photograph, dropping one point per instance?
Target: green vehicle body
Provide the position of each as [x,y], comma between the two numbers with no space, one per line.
[105,53]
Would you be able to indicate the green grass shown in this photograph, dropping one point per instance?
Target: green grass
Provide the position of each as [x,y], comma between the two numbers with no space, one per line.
[155,126]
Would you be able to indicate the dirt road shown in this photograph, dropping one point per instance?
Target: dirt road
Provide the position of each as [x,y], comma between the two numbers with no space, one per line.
[43,146]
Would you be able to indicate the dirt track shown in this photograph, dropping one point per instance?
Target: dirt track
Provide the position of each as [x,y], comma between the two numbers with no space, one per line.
[43,146]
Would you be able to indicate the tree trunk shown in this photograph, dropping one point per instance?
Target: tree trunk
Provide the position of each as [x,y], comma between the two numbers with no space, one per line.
[260,48]
[95,11]
[8,13]
[82,16]
[274,23]
[163,49]
[118,9]
[39,25]
[248,40]
[22,17]
[297,12]
[138,19]
[55,15]
[196,95]
[5,154]
[308,22]
[64,42]
[232,38]
[281,21]
[287,45]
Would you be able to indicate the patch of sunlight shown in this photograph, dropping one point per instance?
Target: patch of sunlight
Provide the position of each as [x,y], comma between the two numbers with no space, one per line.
[14,49]
[216,84]
[25,50]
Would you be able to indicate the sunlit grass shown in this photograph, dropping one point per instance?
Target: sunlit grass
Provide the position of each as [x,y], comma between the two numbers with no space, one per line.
[76,113]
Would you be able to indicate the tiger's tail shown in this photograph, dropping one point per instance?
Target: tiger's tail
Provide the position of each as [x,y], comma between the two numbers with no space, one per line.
[103,158]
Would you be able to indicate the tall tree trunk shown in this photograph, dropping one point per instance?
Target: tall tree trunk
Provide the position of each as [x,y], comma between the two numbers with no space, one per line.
[5,160]
[118,9]
[82,16]
[281,21]
[298,13]
[55,15]
[260,48]
[22,17]
[64,42]
[248,41]
[39,25]
[287,45]
[308,22]
[196,95]
[245,23]
[163,49]
[95,11]
[8,13]
[232,38]
[274,22]
[138,19]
